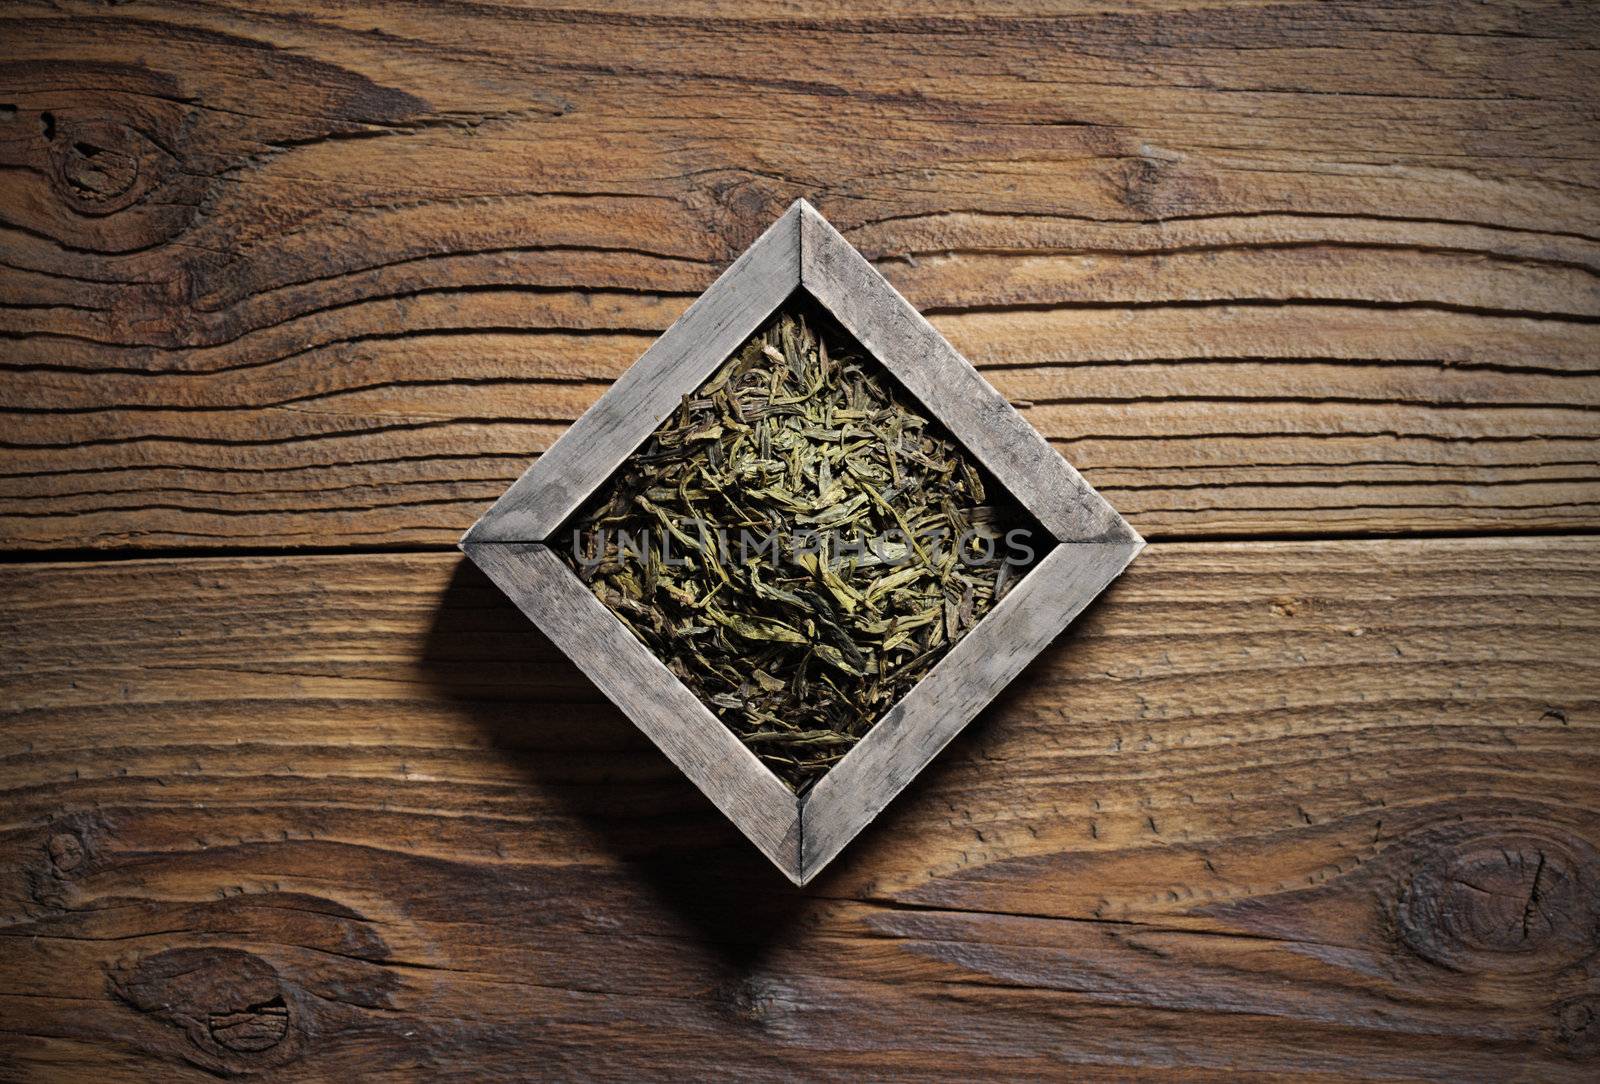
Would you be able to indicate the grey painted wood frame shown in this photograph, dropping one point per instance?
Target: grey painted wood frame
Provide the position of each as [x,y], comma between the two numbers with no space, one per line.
[802,834]
[716,325]
[911,733]
[844,283]
[630,675]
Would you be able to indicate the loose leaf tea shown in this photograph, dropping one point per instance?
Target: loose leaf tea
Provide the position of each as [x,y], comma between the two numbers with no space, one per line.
[800,544]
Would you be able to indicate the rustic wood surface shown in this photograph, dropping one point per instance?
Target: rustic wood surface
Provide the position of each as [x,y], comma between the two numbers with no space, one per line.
[1301,797]
[1326,807]
[321,276]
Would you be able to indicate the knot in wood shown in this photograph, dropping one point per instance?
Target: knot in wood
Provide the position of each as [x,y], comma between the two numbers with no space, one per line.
[735,206]
[260,1026]
[1577,1027]
[749,1000]
[66,852]
[1507,901]
[100,165]
[229,1004]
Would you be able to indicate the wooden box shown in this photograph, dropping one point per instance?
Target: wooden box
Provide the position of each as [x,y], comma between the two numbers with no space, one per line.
[802,832]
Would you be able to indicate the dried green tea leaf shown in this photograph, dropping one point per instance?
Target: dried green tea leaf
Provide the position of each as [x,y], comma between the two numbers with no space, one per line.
[800,543]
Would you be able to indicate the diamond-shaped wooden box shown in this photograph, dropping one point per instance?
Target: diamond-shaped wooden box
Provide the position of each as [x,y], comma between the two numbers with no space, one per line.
[801,833]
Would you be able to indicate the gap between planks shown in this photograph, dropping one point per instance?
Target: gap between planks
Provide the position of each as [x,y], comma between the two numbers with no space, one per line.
[84,555]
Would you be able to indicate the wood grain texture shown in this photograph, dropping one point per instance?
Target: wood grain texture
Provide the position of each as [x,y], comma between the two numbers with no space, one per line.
[285,275]
[1269,809]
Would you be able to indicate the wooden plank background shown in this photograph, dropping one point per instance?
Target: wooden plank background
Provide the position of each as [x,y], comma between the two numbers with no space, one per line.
[290,292]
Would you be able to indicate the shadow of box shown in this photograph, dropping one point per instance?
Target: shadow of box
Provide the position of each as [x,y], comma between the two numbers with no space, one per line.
[801,361]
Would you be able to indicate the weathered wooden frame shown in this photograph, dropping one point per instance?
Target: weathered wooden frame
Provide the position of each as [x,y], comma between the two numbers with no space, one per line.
[802,833]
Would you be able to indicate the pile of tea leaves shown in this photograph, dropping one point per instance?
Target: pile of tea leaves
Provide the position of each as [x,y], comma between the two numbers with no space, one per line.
[799,544]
